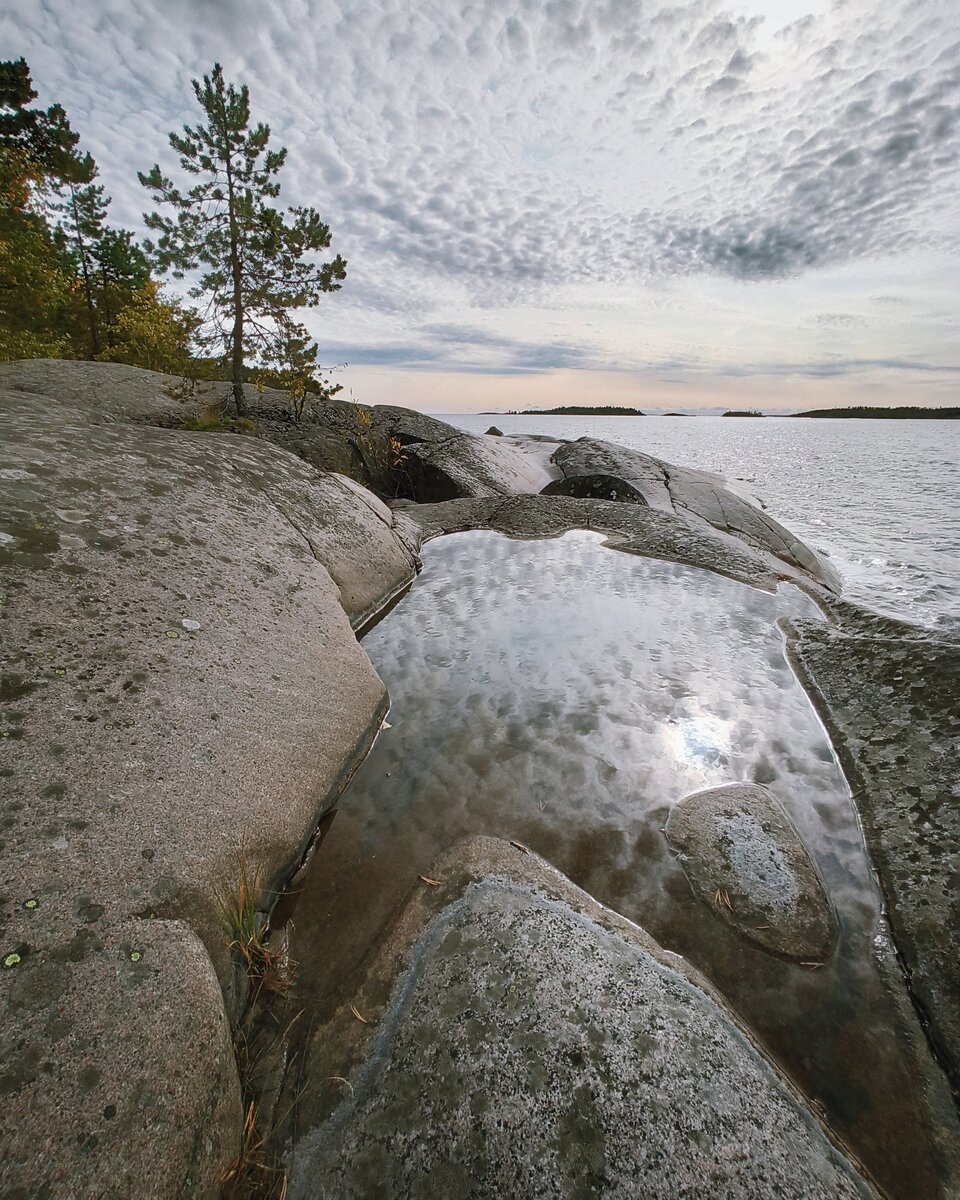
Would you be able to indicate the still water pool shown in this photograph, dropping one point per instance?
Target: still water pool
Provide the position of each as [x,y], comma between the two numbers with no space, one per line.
[565,695]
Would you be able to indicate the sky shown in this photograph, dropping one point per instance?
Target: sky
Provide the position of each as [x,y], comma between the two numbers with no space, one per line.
[546,202]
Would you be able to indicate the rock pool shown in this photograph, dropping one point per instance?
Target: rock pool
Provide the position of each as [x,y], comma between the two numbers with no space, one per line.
[563,695]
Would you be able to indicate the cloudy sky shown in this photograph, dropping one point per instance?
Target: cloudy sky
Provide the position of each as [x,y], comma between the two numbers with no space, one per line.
[745,204]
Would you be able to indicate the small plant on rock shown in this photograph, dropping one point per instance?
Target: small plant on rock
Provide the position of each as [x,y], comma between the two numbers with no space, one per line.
[246,932]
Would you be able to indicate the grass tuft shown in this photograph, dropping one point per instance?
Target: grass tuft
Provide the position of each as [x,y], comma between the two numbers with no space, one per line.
[246,931]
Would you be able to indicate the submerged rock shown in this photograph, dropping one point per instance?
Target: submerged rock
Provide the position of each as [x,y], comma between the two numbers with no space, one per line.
[536,1045]
[746,862]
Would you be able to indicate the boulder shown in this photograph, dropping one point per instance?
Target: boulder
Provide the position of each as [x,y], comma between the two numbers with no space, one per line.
[536,1045]
[698,495]
[179,677]
[596,487]
[493,431]
[747,863]
[469,466]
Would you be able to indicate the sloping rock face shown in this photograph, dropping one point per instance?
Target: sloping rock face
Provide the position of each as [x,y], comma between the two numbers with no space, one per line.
[179,676]
[888,692]
[699,495]
[333,435]
[465,465]
[747,863]
[603,1069]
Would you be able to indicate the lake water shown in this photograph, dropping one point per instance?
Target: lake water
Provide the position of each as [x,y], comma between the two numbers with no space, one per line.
[880,498]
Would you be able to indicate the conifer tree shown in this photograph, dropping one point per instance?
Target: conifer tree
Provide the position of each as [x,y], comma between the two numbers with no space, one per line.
[256,263]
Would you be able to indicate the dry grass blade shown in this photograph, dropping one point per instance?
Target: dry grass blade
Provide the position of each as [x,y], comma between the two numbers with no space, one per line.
[360,1017]
[520,846]
[245,931]
[431,882]
[340,1079]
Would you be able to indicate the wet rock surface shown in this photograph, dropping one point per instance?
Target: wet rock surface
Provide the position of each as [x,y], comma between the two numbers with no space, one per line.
[179,677]
[747,863]
[888,694]
[631,528]
[607,1068]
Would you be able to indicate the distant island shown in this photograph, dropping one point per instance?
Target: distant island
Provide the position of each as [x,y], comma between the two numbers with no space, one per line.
[904,413]
[742,412]
[571,410]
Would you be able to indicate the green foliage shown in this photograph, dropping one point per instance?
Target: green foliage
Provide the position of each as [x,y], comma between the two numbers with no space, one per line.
[150,331]
[34,278]
[256,263]
[70,286]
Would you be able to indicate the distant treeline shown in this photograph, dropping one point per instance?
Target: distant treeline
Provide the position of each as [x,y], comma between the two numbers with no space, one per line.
[904,413]
[572,410]
[742,412]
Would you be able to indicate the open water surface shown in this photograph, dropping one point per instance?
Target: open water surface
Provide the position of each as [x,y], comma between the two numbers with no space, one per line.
[565,695]
[881,498]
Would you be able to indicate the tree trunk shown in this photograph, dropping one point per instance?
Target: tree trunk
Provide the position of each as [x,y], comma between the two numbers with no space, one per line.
[236,375]
[87,285]
[236,348]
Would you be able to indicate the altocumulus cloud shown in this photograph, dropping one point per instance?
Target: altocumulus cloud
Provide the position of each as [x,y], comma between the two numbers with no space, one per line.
[490,151]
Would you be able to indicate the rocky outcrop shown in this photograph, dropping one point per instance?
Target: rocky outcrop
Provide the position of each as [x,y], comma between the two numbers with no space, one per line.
[596,487]
[747,863]
[179,679]
[887,692]
[589,1042]
[697,495]
[465,466]
[631,527]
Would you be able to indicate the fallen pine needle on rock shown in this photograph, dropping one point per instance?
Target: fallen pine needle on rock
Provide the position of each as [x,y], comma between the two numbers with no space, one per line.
[359,1015]
[431,882]
[340,1079]
[812,965]
[520,846]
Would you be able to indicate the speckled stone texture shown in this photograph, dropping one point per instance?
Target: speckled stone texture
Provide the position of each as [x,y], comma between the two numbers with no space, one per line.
[631,527]
[179,676]
[534,1049]
[889,693]
[748,865]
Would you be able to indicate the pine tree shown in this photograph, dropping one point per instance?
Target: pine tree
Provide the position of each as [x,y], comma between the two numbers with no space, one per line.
[256,262]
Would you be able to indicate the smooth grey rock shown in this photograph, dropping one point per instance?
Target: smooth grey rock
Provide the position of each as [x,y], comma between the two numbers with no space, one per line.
[536,1045]
[700,495]
[468,465]
[888,693]
[138,755]
[747,863]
